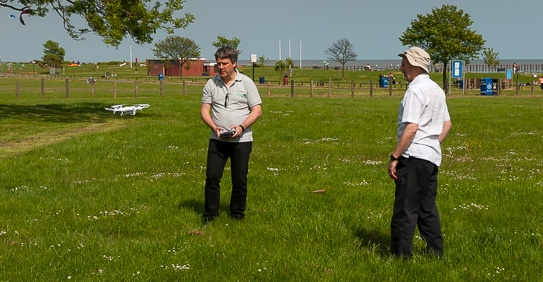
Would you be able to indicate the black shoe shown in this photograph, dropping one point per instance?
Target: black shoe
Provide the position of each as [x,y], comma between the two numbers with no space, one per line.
[208,219]
[237,216]
[402,256]
[437,254]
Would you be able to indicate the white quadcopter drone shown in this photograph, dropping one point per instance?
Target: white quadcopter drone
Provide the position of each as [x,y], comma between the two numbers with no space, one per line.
[127,109]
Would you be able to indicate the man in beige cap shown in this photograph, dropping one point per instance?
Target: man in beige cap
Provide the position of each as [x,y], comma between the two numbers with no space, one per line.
[423,123]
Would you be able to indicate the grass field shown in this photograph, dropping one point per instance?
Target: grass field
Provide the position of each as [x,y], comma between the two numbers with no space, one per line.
[88,195]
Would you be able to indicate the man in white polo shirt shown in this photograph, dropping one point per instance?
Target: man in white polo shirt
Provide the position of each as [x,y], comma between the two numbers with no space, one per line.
[230,105]
[423,123]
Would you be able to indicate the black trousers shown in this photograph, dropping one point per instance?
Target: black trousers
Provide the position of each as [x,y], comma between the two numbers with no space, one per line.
[218,153]
[414,205]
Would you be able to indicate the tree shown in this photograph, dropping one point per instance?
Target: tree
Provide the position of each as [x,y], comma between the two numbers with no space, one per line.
[490,57]
[446,35]
[280,67]
[177,48]
[342,52]
[111,20]
[223,41]
[53,54]
[262,60]
[289,62]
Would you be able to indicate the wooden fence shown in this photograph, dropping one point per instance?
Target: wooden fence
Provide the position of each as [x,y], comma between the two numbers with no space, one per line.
[320,88]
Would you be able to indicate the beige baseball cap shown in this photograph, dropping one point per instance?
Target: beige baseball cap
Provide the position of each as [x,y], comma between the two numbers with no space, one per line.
[417,57]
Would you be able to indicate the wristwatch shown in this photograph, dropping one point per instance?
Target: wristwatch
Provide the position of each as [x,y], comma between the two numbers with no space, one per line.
[393,158]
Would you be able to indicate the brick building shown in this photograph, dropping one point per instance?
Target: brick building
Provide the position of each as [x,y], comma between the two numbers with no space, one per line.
[193,67]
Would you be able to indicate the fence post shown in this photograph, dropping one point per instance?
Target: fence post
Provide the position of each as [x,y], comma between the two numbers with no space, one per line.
[161,87]
[42,87]
[292,88]
[371,88]
[389,87]
[269,88]
[67,88]
[17,90]
[329,87]
[311,89]
[184,87]
[352,88]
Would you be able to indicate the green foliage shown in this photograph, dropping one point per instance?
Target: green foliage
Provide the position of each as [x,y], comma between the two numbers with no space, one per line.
[112,20]
[341,51]
[177,48]
[289,62]
[490,57]
[53,54]
[223,41]
[280,67]
[262,60]
[445,34]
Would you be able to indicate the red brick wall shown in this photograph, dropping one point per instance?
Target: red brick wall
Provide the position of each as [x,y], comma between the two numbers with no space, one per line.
[190,68]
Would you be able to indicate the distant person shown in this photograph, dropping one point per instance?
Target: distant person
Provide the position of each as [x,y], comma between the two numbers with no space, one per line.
[391,78]
[423,123]
[230,105]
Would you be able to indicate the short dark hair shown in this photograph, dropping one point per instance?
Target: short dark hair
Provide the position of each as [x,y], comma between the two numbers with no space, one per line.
[227,52]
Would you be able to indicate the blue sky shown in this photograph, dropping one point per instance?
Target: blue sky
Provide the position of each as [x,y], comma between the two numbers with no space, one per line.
[511,28]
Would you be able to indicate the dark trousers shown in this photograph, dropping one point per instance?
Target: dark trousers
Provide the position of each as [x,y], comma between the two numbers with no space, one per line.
[218,153]
[414,205]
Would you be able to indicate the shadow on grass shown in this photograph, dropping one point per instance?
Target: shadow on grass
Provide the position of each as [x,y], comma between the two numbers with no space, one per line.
[373,241]
[195,205]
[198,206]
[59,113]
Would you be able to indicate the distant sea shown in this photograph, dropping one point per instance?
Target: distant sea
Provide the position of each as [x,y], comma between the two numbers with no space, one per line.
[384,63]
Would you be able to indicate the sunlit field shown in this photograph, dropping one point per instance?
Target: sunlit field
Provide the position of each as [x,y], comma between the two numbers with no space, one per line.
[88,195]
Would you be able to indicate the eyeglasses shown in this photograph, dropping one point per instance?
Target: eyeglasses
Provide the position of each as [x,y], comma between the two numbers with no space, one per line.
[226,100]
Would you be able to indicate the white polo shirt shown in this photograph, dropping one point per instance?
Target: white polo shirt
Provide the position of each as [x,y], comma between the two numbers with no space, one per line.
[424,103]
[242,95]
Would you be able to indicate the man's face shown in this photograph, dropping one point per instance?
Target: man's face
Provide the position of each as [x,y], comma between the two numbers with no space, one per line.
[407,69]
[226,68]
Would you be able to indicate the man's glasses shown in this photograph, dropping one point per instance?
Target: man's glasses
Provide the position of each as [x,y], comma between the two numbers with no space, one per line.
[226,100]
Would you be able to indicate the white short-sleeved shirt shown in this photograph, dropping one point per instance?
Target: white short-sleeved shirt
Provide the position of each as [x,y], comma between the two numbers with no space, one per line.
[242,95]
[424,103]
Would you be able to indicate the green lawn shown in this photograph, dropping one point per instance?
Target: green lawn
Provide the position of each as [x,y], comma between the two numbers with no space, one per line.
[88,195]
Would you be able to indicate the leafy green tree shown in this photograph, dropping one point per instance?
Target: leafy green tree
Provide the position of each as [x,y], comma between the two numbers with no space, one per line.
[446,35]
[175,47]
[223,41]
[280,67]
[53,54]
[289,62]
[111,20]
[342,52]
[490,57]
[262,60]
